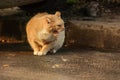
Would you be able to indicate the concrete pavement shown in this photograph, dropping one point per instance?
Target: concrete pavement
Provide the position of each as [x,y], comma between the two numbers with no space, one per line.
[18,63]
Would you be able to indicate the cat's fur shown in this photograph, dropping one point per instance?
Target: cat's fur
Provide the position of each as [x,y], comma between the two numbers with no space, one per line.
[45,32]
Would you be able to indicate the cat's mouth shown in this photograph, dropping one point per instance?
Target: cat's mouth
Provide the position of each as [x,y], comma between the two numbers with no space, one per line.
[55,31]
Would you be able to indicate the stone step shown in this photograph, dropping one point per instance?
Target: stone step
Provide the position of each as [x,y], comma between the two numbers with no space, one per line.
[95,34]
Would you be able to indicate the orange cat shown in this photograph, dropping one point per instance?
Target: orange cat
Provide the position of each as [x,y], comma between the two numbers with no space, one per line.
[46,32]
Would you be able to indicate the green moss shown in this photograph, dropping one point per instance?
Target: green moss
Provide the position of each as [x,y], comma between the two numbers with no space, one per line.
[72,1]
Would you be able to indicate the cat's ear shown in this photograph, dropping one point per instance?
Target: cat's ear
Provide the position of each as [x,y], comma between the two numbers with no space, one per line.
[48,20]
[58,13]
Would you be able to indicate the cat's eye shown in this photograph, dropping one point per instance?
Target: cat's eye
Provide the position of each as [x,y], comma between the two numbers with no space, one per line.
[59,25]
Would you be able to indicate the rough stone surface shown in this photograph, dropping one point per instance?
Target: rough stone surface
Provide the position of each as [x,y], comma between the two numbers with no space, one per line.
[96,34]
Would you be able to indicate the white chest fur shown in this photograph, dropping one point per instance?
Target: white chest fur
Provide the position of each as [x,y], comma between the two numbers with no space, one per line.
[60,40]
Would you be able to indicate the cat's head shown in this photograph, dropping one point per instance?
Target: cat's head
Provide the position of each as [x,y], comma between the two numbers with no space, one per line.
[55,23]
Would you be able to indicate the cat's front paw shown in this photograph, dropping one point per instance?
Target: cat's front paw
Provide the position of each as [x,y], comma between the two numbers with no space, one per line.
[35,53]
[41,53]
[53,51]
